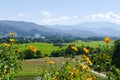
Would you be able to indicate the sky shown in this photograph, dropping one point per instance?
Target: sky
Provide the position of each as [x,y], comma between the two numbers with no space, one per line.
[64,12]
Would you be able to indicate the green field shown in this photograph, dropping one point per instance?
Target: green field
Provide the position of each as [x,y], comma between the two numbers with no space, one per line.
[32,67]
[47,48]
[91,43]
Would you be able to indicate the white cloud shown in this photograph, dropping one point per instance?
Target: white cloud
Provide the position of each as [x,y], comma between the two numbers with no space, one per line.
[46,13]
[51,18]
[75,16]
[114,15]
[63,18]
[21,14]
[58,20]
[108,16]
[55,20]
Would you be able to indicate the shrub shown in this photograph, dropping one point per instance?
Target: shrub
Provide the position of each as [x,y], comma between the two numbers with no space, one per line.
[10,59]
[28,54]
[57,53]
[116,54]
[71,51]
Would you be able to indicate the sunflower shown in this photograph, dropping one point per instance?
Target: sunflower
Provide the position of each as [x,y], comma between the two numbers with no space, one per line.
[12,40]
[12,34]
[74,48]
[51,62]
[86,50]
[107,39]
[90,78]
[34,49]
[102,55]
[6,44]
[16,51]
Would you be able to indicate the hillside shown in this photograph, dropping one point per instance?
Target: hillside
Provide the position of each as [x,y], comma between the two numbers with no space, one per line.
[86,29]
[98,28]
[30,29]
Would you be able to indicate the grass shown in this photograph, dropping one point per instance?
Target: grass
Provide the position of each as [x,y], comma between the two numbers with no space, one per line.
[91,43]
[45,48]
[32,67]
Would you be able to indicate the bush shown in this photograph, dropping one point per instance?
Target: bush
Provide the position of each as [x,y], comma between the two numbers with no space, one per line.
[10,59]
[116,54]
[28,54]
[58,53]
[71,51]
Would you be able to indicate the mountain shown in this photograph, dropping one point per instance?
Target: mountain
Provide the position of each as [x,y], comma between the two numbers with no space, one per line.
[85,29]
[25,28]
[102,28]
[30,29]
[99,28]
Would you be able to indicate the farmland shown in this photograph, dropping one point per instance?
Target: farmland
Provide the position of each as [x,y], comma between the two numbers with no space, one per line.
[32,67]
[36,67]
[47,48]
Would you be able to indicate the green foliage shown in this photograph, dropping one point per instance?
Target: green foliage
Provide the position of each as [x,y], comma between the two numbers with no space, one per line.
[114,74]
[102,59]
[10,61]
[28,54]
[57,53]
[68,70]
[116,54]
[69,52]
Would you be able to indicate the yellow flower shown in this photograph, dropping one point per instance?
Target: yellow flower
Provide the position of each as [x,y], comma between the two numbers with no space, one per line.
[46,58]
[32,48]
[102,55]
[12,34]
[76,73]
[86,50]
[12,40]
[6,45]
[54,78]
[81,66]
[90,62]
[16,51]
[74,48]
[90,78]
[107,39]
[87,68]
[51,62]
[87,59]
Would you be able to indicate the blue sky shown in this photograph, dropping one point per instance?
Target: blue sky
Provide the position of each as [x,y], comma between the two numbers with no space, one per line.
[60,11]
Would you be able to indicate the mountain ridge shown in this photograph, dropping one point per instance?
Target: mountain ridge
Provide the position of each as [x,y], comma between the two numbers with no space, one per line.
[80,30]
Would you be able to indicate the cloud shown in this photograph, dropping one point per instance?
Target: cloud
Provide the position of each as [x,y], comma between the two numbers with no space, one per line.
[64,18]
[108,15]
[46,13]
[75,16]
[52,18]
[57,20]
[21,14]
